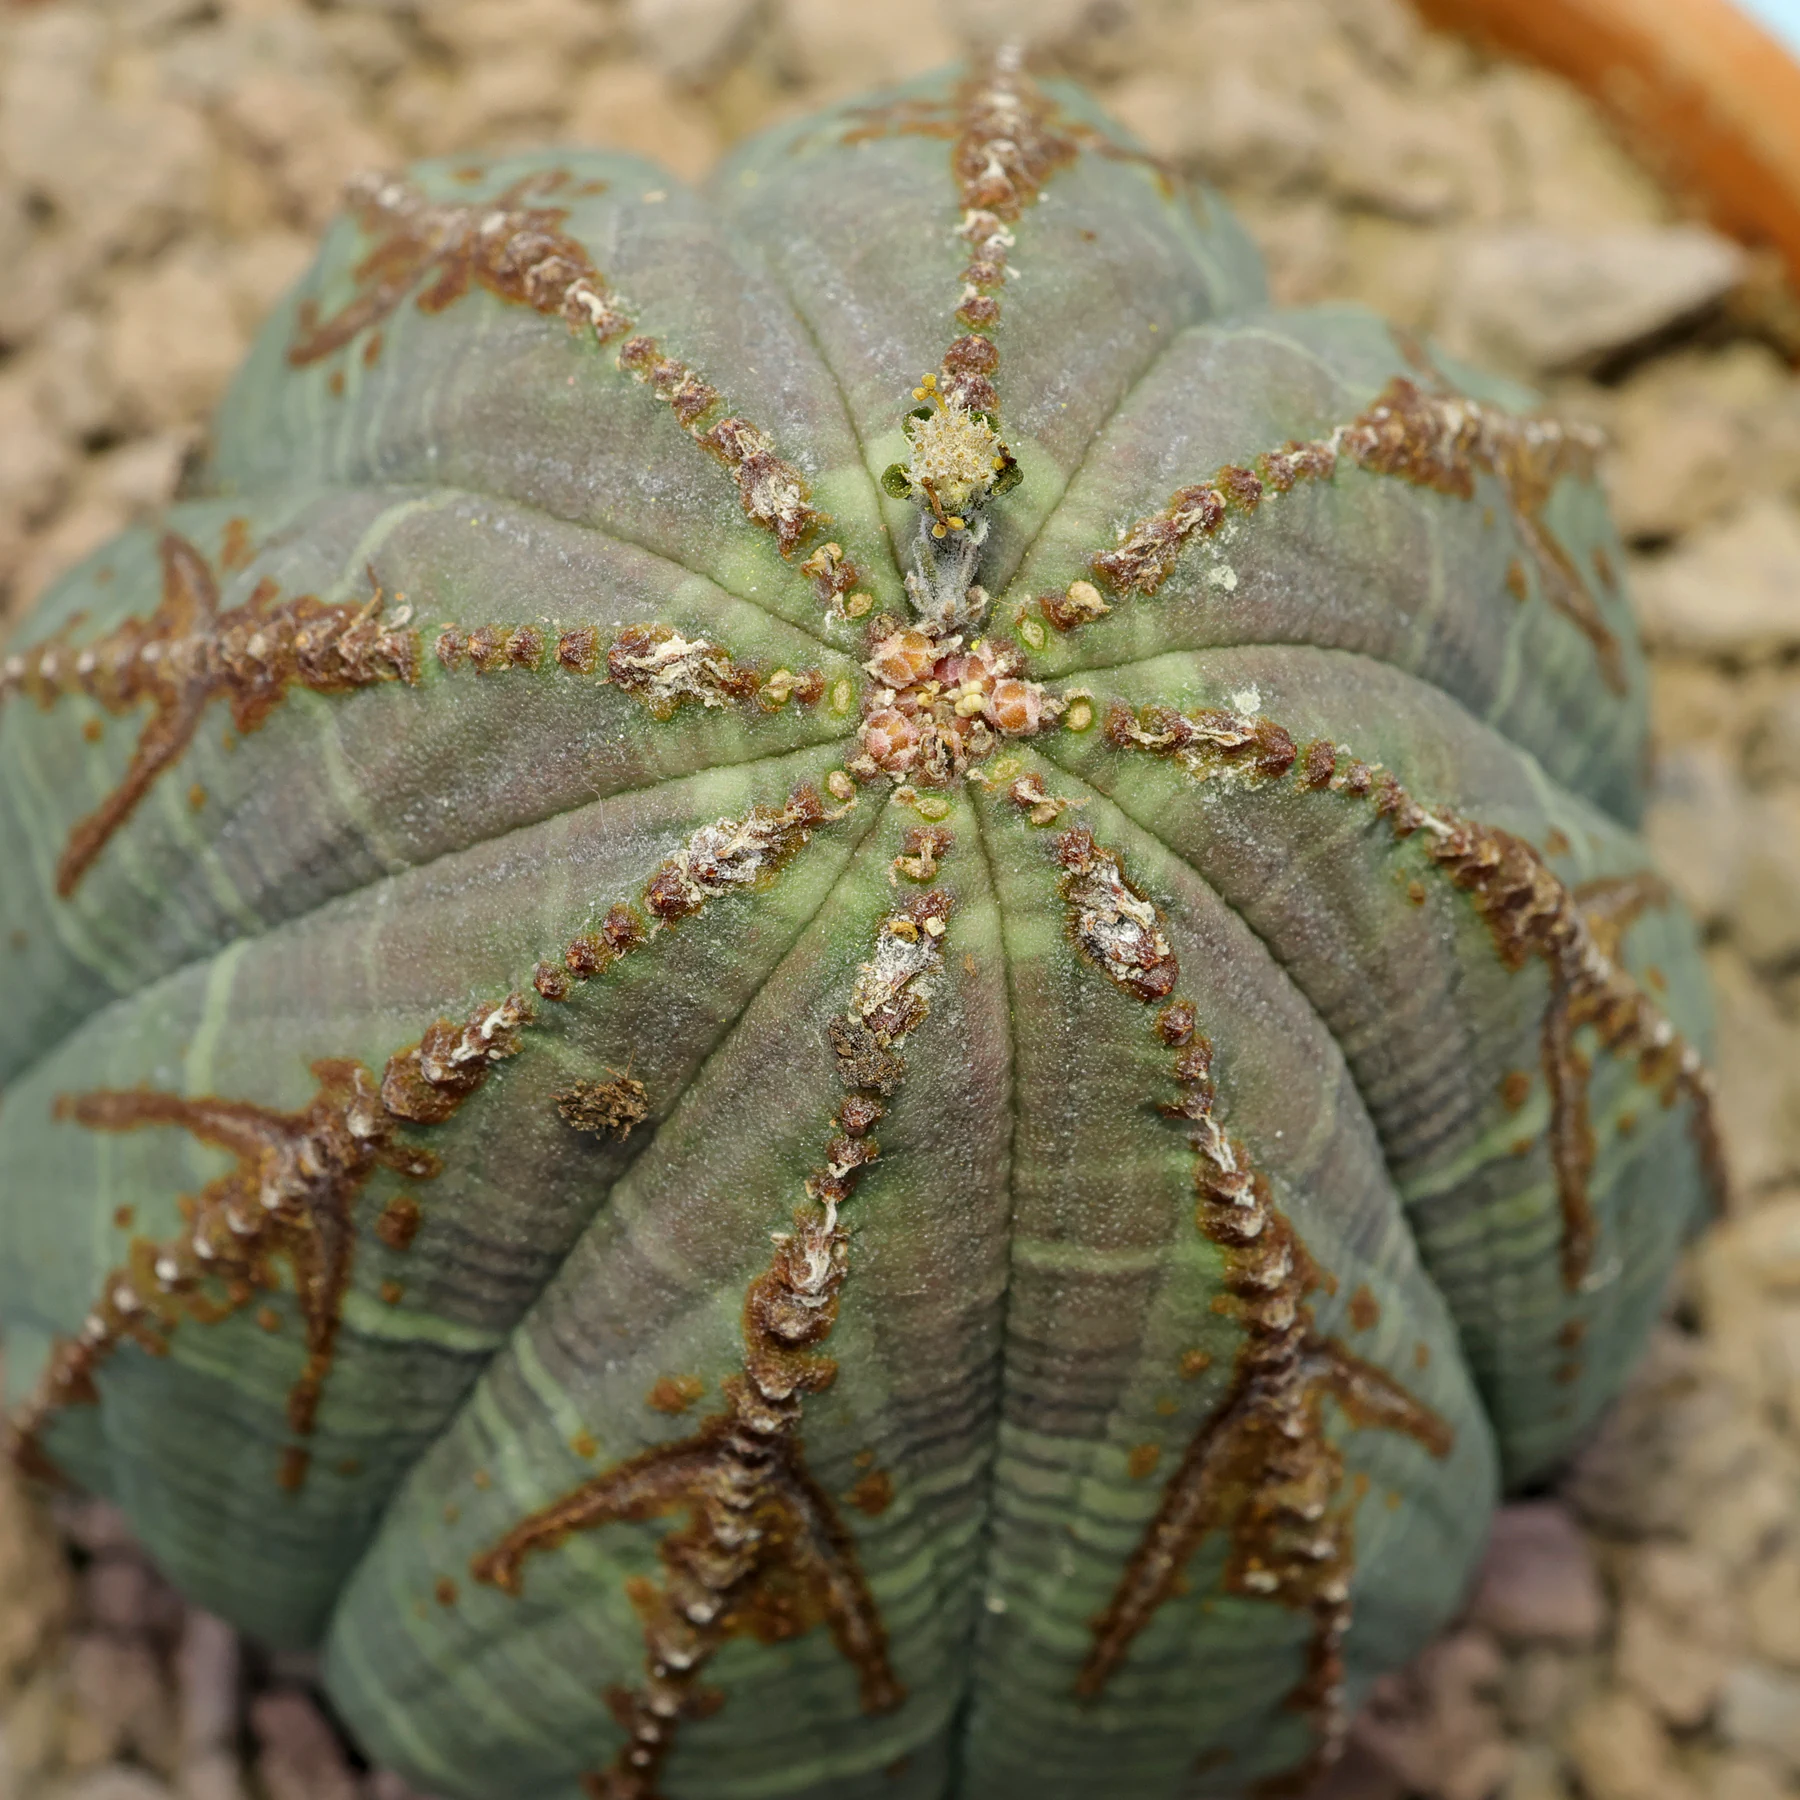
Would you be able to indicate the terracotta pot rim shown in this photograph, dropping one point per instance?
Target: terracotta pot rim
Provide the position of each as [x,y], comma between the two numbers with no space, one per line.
[1704,90]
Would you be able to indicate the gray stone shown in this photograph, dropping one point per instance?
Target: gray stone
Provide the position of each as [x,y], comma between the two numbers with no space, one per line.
[1730,590]
[117,1781]
[1538,301]
[1759,1709]
[690,39]
[299,1756]
[1538,1581]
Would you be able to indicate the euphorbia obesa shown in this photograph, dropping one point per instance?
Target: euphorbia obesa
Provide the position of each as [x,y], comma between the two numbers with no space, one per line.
[833,988]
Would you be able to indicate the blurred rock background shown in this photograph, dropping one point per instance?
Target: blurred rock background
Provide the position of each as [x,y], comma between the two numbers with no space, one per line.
[164,166]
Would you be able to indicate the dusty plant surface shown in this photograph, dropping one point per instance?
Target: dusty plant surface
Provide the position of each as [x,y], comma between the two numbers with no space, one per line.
[164,166]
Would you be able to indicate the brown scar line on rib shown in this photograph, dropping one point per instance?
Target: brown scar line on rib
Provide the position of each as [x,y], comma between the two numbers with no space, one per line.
[1531,915]
[763,1551]
[653,663]
[189,653]
[291,1197]
[1262,1468]
[1007,146]
[519,252]
[1429,437]
[1007,138]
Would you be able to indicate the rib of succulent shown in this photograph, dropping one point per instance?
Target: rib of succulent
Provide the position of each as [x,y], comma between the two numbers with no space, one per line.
[891,708]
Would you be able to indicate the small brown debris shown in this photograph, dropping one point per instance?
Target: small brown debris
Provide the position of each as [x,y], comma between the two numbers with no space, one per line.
[675,1393]
[398,1224]
[1143,1460]
[235,548]
[445,1591]
[610,1108]
[579,650]
[1078,603]
[923,847]
[1365,1309]
[873,1494]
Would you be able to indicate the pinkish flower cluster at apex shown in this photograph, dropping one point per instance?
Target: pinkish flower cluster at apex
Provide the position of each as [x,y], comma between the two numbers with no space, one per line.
[940,707]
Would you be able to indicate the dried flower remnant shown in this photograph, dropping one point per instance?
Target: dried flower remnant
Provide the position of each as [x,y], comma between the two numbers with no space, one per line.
[763,1552]
[938,709]
[1263,1467]
[189,653]
[1432,438]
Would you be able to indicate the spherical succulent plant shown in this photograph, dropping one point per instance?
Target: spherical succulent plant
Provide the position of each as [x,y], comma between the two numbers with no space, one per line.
[835,989]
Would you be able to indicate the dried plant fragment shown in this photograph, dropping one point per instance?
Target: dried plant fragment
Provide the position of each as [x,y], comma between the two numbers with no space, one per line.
[657,665]
[1263,1468]
[187,654]
[763,1551]
[1210,742]
[429,1081]
[1037,803]
[610,1108]
[1115,926]
[733,854]
[1432,438]
[516,251]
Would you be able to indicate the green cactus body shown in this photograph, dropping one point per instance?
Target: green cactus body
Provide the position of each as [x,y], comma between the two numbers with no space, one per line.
[835,989]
